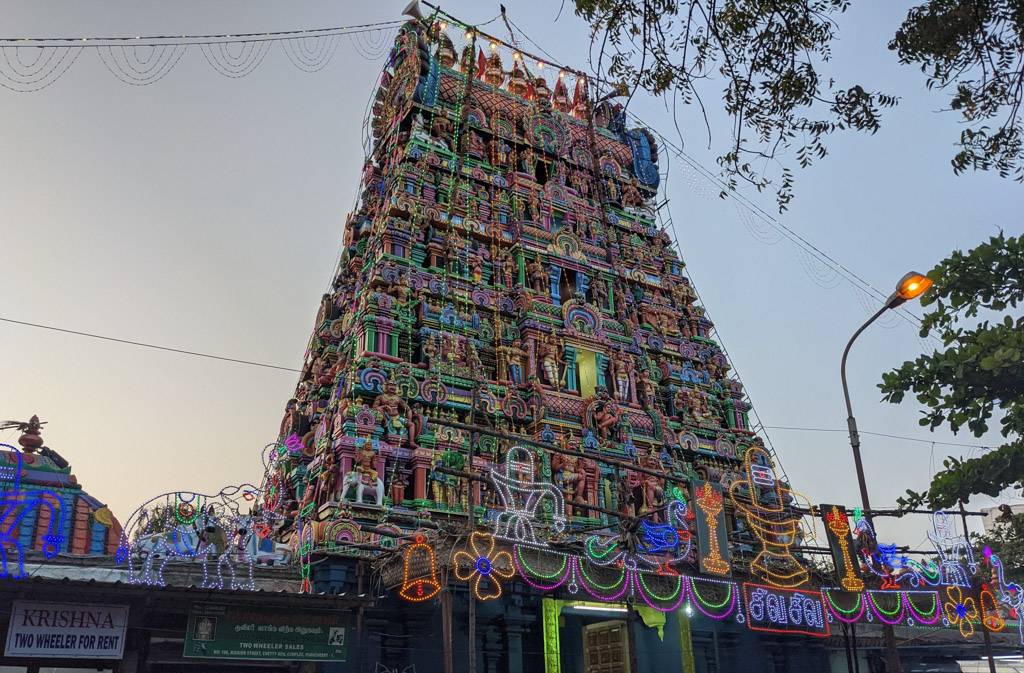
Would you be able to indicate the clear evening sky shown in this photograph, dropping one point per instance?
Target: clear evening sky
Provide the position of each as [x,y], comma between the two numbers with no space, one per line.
[205,213]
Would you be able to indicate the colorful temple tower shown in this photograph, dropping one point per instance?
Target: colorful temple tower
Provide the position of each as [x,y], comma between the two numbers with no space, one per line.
[45,509]
[504,271]
[511,344]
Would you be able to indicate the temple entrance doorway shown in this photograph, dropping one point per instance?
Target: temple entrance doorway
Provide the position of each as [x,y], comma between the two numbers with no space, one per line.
[606,647]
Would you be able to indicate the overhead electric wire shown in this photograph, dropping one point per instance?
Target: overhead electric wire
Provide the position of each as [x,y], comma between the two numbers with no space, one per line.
[793,236]
[148,345]
[190,39]
[253,363]
[879,434]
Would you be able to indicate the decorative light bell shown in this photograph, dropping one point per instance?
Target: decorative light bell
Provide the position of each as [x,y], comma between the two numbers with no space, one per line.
[419,572]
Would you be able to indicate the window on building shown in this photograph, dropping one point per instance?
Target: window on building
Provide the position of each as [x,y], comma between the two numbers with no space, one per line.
[557,220]
[541,171]
[586,366]
[567,285]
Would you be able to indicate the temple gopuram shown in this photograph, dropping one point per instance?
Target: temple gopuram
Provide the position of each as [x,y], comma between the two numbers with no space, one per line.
[514,429]
[45,510]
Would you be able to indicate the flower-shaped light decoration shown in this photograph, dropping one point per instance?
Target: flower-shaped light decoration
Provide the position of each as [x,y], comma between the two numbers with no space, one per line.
[961,611]
[478,562]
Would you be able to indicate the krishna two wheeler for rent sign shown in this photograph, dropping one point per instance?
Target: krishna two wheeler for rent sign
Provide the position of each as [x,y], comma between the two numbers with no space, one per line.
[65,631]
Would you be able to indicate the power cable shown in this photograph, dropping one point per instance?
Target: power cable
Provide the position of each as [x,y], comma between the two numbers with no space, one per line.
[149,345]
[189,39]
[794,237]
[290,369]
[879,434]
[668,224]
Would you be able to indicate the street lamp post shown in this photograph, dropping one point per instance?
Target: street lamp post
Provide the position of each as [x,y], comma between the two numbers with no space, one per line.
[911,286]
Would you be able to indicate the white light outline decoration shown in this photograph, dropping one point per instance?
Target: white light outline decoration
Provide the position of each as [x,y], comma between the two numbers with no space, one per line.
[951,547]
[150,543]
[521,495]
[1008,593]
[918,574]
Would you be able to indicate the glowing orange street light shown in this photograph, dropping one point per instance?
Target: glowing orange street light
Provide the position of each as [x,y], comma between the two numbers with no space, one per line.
[911,286]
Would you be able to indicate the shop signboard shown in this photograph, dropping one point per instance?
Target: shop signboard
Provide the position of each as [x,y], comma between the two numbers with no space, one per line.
[66,631]
[227,632]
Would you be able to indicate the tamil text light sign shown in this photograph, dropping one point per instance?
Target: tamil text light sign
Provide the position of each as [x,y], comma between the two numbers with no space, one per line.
[785,610]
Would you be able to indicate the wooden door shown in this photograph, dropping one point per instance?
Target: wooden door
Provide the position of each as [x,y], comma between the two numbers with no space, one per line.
[605,648]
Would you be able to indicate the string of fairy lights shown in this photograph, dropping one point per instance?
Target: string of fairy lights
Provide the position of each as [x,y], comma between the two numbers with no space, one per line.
[32,64]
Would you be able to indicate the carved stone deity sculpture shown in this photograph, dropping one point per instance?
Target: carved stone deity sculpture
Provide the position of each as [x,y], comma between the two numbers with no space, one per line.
[551,360]
[395,410]
[572,479]
[606,414]
[446,488]
[538,276]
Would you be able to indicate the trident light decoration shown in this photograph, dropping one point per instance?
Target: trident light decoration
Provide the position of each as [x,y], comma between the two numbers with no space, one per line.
[762,501]
[521,495]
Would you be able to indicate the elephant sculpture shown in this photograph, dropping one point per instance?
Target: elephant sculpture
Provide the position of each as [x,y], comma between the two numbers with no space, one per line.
[355,479]
[209,531]
[221,546]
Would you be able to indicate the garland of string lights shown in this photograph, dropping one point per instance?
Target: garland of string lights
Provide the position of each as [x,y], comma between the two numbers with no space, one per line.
[31,64]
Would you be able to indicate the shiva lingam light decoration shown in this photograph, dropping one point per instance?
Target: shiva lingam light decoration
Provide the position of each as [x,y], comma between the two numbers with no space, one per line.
[521,496]
[762,501]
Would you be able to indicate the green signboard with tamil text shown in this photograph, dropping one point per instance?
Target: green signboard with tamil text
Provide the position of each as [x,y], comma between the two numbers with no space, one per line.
[225,632]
